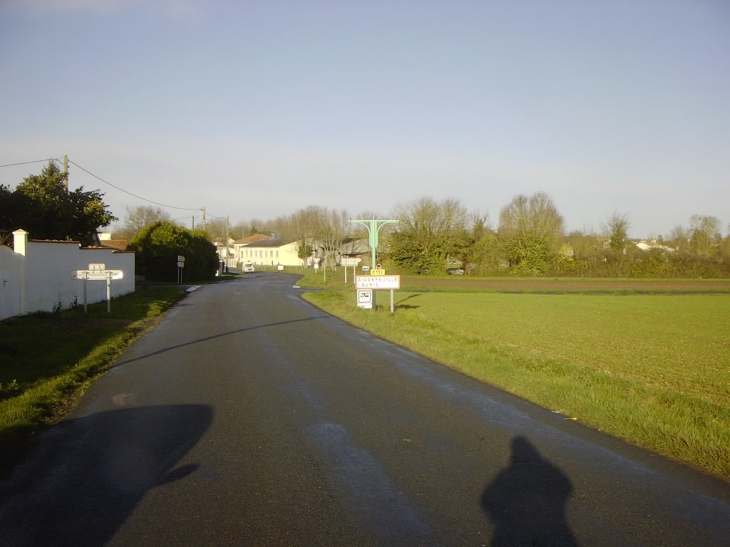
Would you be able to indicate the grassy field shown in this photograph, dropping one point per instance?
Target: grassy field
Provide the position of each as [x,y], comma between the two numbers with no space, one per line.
[653,369]
[48,359]
[645,360]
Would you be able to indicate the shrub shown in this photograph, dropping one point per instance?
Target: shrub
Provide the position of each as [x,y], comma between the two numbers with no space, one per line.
[158,246]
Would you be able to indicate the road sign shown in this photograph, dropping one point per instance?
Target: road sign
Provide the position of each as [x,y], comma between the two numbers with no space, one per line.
[377,282]
[98,272]
[97,275]
[365,298]
[377,271]
[181,264]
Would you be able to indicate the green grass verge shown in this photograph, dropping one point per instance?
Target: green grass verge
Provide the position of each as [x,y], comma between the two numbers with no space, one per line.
[47,360]
[651,369]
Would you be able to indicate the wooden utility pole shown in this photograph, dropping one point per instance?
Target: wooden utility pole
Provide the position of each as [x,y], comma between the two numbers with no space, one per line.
[65,171]
[225,237]
[203,218]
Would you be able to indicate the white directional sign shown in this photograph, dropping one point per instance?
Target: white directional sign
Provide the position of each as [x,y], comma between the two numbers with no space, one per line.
[97,275]
[377,282]
[98,272]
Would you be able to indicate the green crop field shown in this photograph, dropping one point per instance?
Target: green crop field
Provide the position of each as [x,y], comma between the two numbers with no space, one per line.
[653,369]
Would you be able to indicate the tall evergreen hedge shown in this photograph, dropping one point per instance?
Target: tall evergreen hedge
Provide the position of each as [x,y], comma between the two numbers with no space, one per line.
[158,246]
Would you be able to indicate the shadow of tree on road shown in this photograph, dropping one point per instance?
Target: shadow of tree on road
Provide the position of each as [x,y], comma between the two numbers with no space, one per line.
[216,336]
[88,474]
[527,501]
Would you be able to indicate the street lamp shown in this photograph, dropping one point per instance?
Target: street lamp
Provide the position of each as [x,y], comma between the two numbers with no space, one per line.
[373,227]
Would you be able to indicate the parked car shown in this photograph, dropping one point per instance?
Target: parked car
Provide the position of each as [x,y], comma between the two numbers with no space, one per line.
[247,267]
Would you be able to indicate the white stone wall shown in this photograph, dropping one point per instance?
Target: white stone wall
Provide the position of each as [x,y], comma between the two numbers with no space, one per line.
[36,276]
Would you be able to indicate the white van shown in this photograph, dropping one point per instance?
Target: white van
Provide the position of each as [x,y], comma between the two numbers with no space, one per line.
[247,267]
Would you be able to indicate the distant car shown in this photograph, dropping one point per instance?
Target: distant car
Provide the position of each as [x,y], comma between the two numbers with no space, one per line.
[247,267]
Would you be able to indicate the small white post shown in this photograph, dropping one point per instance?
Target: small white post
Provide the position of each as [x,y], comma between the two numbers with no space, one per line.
[109,293]
[20,244]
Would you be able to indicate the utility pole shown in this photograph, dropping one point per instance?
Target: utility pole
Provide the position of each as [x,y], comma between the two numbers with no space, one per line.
[226,239]
[193,223]
[203,218]
[65,171]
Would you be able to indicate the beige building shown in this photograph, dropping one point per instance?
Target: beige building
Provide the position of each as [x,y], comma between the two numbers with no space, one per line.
[263,250]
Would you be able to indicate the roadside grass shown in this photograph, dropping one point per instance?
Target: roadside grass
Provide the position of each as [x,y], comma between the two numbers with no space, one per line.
[652,369]
[47,360]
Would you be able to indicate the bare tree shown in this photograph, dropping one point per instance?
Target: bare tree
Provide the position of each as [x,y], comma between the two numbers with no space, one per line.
[678,238]
[144,215]
[334,228]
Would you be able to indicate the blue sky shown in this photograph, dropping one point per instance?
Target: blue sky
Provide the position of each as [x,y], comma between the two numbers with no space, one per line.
[254,109]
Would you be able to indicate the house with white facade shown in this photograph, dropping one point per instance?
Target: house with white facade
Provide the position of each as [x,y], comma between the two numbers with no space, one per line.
[268,251]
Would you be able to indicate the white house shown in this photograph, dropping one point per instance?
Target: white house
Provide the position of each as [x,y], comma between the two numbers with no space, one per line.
[268,252]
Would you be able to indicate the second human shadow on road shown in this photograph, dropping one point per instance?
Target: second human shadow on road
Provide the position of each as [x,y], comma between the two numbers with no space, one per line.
[527,500]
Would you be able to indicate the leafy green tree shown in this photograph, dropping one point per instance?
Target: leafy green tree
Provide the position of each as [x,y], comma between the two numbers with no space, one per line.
[428,233]
[158,245]
[617,230]
[476,247]
[42,206]
[704,235]
[304,249]
[529,232]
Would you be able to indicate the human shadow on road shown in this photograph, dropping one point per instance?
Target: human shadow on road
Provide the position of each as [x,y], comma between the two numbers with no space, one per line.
[87,475]
[527,501]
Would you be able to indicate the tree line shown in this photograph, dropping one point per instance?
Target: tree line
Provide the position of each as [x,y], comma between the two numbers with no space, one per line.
[530,240]
[432,237]
[436,237]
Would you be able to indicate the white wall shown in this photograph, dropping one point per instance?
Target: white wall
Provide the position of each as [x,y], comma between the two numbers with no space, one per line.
[10,263]
[36,276]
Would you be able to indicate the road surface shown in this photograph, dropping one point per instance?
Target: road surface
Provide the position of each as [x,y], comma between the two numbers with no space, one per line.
[249,417]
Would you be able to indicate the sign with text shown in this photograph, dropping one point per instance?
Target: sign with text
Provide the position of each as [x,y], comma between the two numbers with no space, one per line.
[97,275]
[377,271]
[377,282]
[365,298]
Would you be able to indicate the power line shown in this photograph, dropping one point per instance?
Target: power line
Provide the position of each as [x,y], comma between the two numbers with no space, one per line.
[110,184]
[28,162]
[130,193]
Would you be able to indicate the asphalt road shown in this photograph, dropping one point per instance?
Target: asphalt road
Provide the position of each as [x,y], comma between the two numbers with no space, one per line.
[249,417]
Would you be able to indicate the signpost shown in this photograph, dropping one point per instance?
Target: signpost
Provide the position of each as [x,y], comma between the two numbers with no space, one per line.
[373,226]
[98,272]
[378,281]
[180,266]
[365,298]
[350,261]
